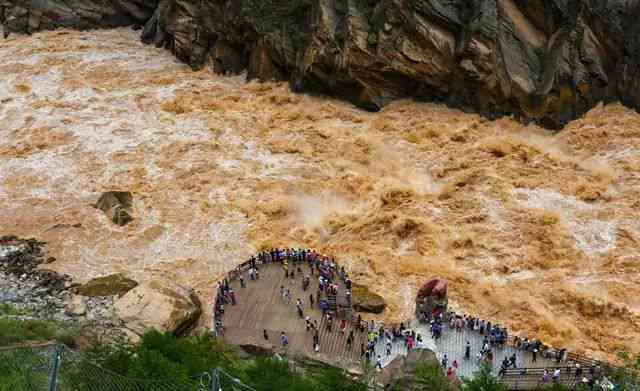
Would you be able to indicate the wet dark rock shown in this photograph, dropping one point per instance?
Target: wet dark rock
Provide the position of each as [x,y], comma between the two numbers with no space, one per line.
[432,298]
[26,16]
[21,258]
[111,285]
[258,350]
[546,61]
[364,300]
[41,293]
[116,205]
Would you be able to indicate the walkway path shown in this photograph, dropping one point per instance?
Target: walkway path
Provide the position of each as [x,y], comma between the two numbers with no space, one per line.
[452,343]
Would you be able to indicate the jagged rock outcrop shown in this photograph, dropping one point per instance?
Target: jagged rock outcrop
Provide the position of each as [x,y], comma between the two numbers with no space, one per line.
[547,61]
[41,293]
[542,60]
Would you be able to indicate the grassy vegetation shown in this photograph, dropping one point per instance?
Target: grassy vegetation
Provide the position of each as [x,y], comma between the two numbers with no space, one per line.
[7,309]
[430,376]
[180,361]
[15,331]
[483,380]
[16,371]
[168,362]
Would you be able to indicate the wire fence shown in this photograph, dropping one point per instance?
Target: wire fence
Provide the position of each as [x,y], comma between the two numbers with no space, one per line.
[58,368]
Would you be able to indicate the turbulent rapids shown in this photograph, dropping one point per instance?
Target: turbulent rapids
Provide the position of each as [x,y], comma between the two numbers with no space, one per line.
[538,231]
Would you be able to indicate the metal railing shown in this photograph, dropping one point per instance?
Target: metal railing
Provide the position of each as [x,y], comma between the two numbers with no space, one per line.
[55,367]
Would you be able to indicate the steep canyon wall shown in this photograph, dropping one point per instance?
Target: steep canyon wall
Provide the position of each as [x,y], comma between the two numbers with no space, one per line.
[547,61]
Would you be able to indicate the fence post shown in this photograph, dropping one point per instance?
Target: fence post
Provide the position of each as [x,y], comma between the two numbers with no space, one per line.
[215,380]
[53,375]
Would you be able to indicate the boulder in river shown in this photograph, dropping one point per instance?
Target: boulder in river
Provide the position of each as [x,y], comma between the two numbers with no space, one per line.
[113,284]
[159,305]
[117,206]
[366,301]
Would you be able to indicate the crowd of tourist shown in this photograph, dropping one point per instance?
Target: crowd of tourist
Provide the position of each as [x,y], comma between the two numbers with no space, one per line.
[496,337]
[303,265]
[293,261]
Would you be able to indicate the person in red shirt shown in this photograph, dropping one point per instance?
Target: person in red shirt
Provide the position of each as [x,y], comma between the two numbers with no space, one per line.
[450,372]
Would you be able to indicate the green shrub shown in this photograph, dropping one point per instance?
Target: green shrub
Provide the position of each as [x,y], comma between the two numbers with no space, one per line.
[7,309]
[483,380]
[627,377]
[16,331]
[162,355]
[17,370]
[429,376]
[159,358]
[270,374]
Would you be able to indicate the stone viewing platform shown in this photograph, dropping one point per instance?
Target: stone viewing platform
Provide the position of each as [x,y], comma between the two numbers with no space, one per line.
[260,305]
[300,303]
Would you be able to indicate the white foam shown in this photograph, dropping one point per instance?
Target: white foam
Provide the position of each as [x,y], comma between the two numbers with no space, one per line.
[495,211]
[593,236]
[47,85]
[4,89]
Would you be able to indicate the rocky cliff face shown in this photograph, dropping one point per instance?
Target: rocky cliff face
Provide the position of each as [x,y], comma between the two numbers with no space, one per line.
[26,16]
[543,60]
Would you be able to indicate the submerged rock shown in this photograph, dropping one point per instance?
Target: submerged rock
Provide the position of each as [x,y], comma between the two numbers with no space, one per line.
[160,306]
[114,284]
[117,206]
[366,301]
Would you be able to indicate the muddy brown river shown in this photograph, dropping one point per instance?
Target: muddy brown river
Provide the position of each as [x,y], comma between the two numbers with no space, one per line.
[535,230]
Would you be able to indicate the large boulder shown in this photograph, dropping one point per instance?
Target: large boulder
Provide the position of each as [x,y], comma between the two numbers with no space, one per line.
[159,305]
[366,301]
[111,285]
[436,288]
[400,373]
[117,206]
[432,298]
